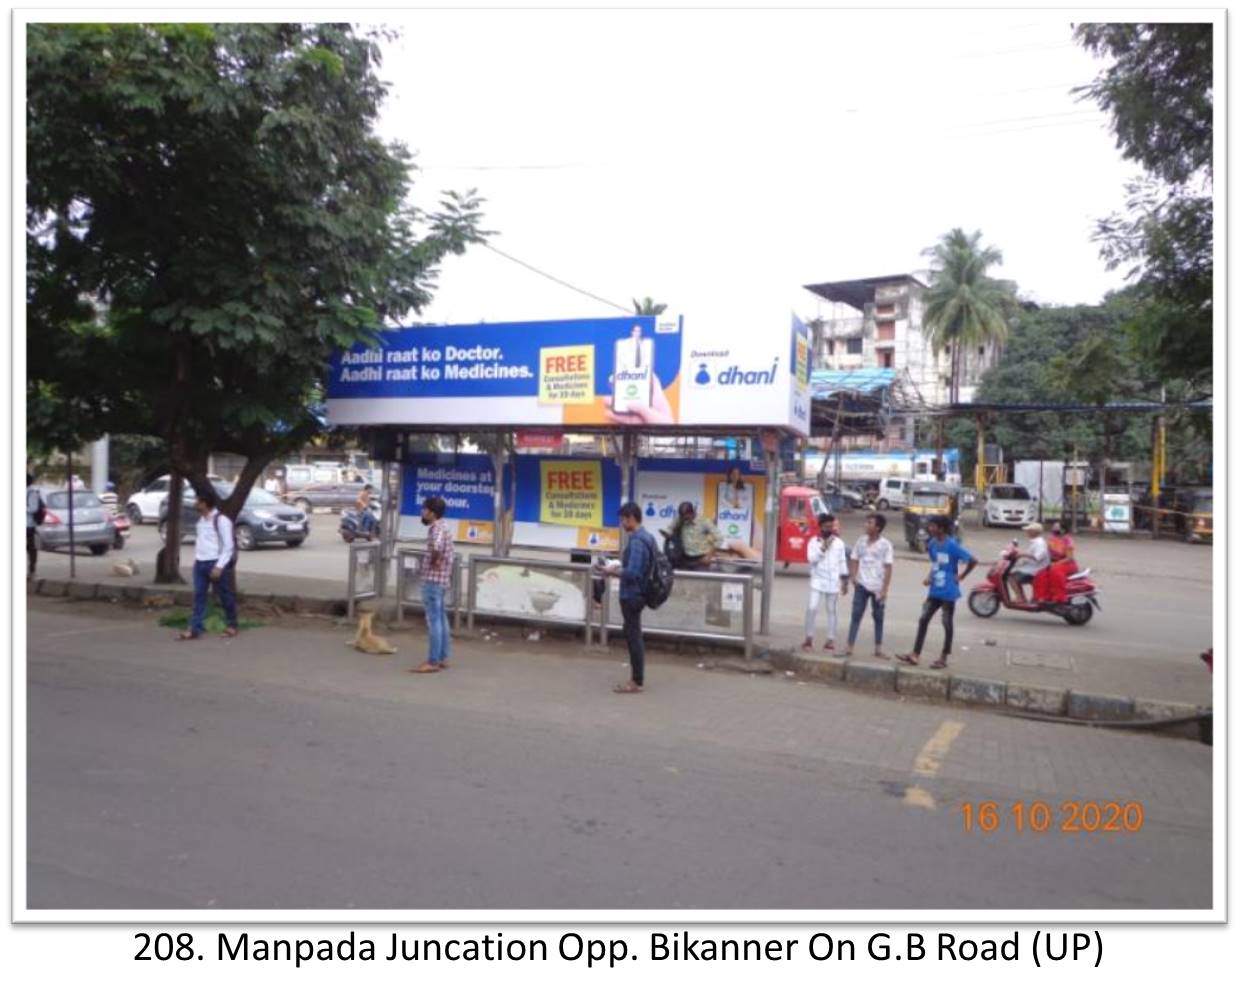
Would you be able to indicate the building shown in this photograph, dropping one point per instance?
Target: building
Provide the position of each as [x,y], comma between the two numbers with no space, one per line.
[877,322]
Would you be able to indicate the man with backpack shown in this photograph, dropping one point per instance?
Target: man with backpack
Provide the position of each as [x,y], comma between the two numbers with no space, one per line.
[214,548]
[36,512]
[638,568]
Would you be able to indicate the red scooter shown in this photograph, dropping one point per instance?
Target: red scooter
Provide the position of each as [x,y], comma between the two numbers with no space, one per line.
[996,590]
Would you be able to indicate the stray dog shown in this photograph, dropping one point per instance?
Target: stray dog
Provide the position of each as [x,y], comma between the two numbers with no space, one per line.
[125,568]
[366,641]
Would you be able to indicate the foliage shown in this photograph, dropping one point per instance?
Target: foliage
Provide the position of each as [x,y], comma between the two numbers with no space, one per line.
[209,217]
[965,308]
[1158,93]
[214,621]
[647,307]
[1061,354]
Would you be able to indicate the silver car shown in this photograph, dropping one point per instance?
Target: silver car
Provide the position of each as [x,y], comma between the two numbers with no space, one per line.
[92,525]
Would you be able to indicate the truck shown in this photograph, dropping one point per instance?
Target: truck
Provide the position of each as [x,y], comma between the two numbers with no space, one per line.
[869,465]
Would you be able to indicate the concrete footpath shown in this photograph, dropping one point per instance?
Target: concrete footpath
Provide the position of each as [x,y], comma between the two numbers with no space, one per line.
[1136,661]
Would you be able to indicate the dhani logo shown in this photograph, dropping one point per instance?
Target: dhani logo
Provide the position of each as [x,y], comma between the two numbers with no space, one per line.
[735,375]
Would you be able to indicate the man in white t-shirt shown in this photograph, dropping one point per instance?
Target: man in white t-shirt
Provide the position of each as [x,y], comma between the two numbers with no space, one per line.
[872,568]
[1036,559]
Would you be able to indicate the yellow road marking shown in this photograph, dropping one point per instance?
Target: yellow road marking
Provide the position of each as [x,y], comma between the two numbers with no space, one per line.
[928,762]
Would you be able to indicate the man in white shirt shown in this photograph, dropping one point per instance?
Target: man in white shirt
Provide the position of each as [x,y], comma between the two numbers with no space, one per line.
[827,561]
[1028,565]
[872,568]
[214,548]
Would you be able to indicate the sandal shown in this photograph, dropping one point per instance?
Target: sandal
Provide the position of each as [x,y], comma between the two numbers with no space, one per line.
[907,659]
[230,632]
[938,664]
[881,655]
[426,668]
[807,645]
[187,635]
[629,689]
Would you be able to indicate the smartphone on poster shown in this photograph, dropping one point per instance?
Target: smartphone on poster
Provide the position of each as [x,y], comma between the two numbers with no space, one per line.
[633,377]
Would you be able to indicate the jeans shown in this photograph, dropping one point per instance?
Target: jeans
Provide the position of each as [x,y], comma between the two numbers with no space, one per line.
[223,590]
[434,597]
[632,609]
[859,602]
[815,598]
[947,620]
[32,552]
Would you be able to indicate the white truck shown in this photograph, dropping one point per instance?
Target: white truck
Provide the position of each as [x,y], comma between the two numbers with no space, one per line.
[867,465]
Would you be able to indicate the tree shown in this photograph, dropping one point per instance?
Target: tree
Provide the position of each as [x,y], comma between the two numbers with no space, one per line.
[647,307]
[212,205]
[1158,93]
[964,307]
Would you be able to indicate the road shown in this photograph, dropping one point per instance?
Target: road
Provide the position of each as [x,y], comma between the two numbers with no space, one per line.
[282,770]
[1156,599]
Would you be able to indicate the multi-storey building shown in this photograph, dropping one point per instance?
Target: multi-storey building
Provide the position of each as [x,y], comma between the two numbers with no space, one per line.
[877,322]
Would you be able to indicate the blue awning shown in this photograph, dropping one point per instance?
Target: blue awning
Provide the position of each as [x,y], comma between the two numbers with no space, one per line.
[866,380]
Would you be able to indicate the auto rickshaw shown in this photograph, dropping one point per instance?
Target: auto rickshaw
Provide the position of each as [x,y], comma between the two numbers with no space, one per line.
[924,499]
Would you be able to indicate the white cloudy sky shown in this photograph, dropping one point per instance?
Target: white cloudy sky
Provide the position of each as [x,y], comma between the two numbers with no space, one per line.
[718,160]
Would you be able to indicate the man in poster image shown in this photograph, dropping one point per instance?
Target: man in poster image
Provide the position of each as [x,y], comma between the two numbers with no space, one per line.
[436,579]
[633,571]
[634,355]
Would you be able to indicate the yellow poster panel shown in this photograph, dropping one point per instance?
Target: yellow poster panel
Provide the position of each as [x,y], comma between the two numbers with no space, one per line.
[801,362]
[565,375]
[572,493]
[472,531]
[738,513]
[602,540]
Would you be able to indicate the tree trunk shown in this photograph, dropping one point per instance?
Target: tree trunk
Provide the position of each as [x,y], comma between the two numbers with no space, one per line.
[168,562]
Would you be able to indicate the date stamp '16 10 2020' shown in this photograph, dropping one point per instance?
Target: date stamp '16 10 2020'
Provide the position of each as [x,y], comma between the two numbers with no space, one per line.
[1039,816]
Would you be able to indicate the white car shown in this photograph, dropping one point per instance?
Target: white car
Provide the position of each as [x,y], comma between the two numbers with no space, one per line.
[143,506]
[1008,505]
[892,492]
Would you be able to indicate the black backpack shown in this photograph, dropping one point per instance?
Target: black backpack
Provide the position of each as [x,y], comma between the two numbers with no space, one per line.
[40,513]
[661,577]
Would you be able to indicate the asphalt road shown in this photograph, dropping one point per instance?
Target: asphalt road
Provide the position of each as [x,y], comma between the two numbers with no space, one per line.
[283,770]
[1156,616]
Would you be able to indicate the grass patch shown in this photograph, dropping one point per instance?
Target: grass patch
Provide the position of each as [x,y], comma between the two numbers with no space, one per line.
[215,622]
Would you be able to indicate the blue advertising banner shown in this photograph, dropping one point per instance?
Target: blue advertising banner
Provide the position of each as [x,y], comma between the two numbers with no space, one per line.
[575,372]
[465,483]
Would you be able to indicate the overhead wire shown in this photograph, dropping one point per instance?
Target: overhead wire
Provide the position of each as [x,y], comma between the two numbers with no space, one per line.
[557,280]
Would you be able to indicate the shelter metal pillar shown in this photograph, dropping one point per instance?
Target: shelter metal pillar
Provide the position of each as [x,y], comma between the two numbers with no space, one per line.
[769,544]
[499,461]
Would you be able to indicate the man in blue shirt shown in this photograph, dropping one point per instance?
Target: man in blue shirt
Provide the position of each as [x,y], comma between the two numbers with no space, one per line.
[637,562]
[944,553]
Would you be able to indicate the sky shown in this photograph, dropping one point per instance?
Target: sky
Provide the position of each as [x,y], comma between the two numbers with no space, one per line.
[719,160]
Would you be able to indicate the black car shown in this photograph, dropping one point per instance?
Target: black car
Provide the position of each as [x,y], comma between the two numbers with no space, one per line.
[264,519]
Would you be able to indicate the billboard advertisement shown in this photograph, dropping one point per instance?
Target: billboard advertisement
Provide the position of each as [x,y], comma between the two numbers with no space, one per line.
[735,506]
[599,372]
[465,482]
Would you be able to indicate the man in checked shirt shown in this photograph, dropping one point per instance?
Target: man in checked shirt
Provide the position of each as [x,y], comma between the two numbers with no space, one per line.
[436,579]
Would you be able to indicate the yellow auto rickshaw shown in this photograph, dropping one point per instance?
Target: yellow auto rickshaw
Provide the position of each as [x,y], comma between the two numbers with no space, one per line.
[924,499]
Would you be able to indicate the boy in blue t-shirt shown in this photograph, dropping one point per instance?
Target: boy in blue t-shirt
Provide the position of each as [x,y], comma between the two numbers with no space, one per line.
[944,553]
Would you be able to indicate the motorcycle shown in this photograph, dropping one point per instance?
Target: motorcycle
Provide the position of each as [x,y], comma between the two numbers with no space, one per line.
[994,592]
[350,524]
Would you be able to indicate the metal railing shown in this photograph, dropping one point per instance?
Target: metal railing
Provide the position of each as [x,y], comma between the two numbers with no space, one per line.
[364,573]
[536,591]
[410,564]
[708,606]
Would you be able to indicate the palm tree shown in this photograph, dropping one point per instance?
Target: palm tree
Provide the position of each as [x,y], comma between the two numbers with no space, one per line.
[965,308]
[647,307]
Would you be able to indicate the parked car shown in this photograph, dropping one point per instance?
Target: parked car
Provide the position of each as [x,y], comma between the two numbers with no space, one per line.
[92,525]
[1008,505]
[846,497]
[325,497]
[892,492]
[146,505]
[263,519]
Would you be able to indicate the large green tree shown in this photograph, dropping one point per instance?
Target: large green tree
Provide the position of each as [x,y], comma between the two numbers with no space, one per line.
[1157,90]
[209,216]
[965,308]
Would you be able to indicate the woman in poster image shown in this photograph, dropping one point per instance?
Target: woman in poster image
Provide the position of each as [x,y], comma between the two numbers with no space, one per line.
[734,493]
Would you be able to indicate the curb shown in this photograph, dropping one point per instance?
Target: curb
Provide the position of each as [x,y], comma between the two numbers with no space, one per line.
[1008,698]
